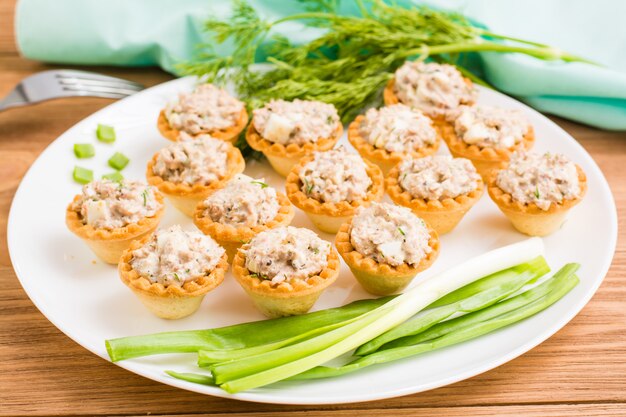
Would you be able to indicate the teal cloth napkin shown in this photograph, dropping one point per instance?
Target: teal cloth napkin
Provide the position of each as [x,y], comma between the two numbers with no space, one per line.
[163,32]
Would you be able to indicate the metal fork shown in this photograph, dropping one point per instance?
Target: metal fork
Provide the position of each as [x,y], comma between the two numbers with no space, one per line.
[53,84]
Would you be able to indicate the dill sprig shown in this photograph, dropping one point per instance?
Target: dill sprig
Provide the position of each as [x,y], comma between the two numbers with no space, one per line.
[353,58]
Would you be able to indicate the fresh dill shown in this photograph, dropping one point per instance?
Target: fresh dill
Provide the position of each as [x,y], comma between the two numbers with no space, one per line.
[257,275]
[401,231]
[261,183]
[537,194]
[352,59]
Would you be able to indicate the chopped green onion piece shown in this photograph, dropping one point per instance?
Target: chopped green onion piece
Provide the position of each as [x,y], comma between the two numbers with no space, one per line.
[118,161]
[113,176]
[84,150]
[261,183]
[82,175]
[105,133]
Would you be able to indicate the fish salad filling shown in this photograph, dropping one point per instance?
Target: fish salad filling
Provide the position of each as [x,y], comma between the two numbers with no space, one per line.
[436,89]
[491,127]
[390,234]
[244,201]
[335,176]
[398,128]
[175,256]
[206,109]
[285,254]
[199,161]
[438,177]
[298,122]
[106,204]
[540,179]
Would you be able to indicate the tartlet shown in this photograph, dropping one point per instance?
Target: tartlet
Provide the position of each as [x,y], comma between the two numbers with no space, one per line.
[442,214]
[186,196]
[229,133]
[382,278]
[291,296]
[485,158]
[108,244]
[232,236]
[384,158]
[169,301]
[283,156]
[529,218]
[440,112]
[328,216]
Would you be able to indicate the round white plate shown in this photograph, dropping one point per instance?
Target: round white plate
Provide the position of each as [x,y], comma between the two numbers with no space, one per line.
[86,300]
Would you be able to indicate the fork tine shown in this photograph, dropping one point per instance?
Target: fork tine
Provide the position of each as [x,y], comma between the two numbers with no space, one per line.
[85,75]
[77,82]
[99,89]
[99,94]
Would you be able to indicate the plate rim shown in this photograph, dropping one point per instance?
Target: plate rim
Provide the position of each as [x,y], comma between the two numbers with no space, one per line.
[273,398]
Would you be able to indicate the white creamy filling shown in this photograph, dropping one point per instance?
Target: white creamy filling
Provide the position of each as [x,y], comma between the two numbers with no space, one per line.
[200,161]
[335,176]
[244,201]
[109,205]
[206,109]
[398,128]
[298,121]
[174,256]
[490,127]
[390,234]
[435,89]
[438,177]
[285,254]
[540,179]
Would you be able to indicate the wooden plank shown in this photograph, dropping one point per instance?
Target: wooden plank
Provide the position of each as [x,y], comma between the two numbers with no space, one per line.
[569,410]
[7,37]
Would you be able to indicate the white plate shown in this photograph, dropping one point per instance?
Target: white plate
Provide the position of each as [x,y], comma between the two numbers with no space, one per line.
[86,300]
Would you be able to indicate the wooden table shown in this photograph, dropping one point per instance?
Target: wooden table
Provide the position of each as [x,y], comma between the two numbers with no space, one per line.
[580,371]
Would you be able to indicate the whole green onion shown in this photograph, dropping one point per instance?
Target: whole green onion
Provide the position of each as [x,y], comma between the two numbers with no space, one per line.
[239,336]
[552,291]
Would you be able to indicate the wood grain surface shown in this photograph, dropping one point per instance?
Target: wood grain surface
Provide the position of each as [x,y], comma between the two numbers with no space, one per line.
[580,371]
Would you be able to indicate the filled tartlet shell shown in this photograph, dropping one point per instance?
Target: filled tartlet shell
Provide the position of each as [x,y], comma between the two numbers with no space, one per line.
[231,237]
[326,216]
[529,218]
[186,197]
[169,302]
[441,215]
[486,160]
[108,245]
[229,134]
[390,97]
[380,278]
[287,298]
[283,157]
[384,159]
